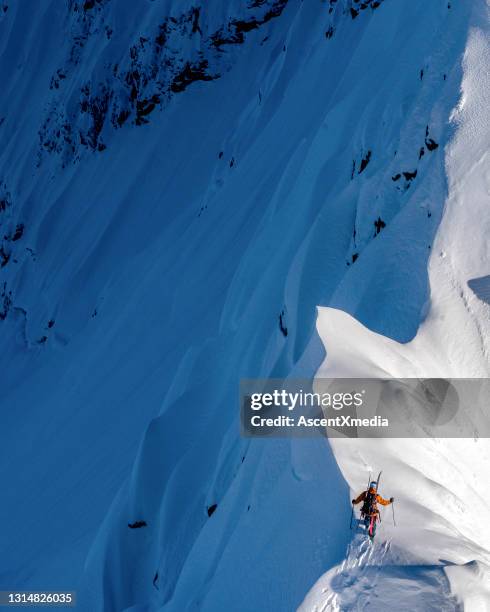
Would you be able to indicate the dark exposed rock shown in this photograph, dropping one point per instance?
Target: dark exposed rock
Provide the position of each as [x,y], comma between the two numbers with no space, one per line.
[409,176]
[234,32]
[18,233]
[122,117]
[148,74]
[145,107]
[191,73]
[137,524]
[196,12]
[5,257]
[379,224]
[282,326]
[211,509]
[364,162]
[431,144]
[396,177]
[5,302]
[5,202]
[96,107]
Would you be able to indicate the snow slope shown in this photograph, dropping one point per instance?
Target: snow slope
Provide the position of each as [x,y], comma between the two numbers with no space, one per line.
[179,192]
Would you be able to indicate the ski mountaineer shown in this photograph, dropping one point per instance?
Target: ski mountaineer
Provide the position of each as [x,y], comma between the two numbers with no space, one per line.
[369,510]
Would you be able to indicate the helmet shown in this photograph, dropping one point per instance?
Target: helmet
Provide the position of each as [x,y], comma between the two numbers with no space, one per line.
[373,485]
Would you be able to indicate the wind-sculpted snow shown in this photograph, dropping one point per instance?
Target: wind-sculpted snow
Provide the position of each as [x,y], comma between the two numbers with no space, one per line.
[181,185]
[439,485]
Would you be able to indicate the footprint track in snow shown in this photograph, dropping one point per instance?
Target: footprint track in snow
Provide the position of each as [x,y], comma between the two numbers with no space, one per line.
[371,576]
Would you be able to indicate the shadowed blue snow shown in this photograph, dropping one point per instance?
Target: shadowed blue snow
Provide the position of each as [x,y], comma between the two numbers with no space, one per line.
[481,288]
[165,268]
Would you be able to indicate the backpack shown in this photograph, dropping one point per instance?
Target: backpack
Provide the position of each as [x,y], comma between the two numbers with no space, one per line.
[369,506]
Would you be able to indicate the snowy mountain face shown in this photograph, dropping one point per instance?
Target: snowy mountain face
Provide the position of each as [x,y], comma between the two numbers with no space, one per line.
[182,184]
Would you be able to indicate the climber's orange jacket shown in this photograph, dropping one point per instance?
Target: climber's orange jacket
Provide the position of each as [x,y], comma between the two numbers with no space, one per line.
[378,498]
